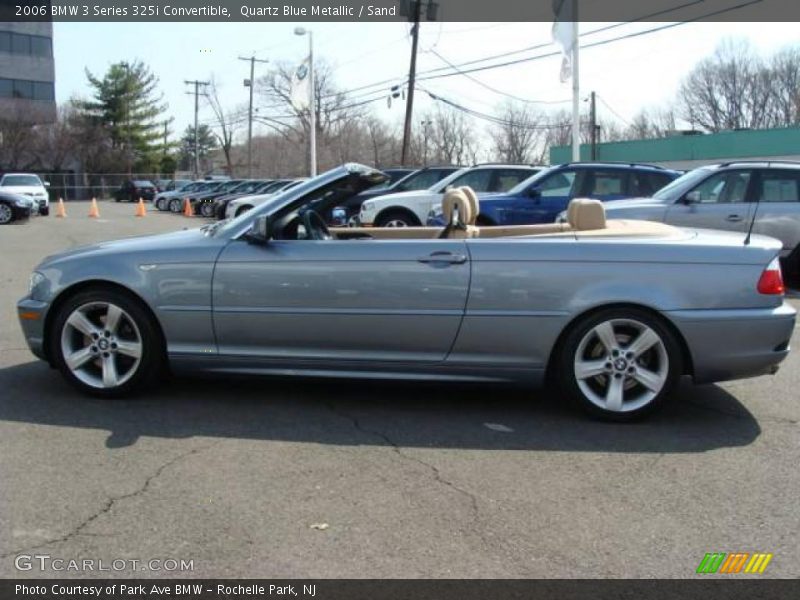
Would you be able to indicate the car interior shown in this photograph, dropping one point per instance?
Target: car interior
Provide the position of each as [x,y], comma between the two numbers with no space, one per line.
[460,207]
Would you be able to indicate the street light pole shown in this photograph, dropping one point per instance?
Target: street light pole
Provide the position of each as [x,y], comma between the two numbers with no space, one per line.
[312,103]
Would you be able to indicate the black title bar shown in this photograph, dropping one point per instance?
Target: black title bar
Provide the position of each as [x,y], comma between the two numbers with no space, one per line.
[149,11]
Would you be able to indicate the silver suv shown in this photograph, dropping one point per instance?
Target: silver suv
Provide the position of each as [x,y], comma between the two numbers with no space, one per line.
[725,196]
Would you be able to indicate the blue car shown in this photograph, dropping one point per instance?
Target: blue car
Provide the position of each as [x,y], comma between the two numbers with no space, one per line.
[539,199]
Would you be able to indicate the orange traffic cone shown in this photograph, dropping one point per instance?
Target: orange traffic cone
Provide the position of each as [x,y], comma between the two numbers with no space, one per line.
[141,211]
[94,212]
[187,208]
[61,212]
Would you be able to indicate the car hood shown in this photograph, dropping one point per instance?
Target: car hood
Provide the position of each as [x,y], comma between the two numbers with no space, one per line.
[23,189]
[634,203]
[404,195]
[157,248]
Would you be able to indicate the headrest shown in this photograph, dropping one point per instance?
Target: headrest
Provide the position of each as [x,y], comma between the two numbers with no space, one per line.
[474,204]
[455,201]
[585,214]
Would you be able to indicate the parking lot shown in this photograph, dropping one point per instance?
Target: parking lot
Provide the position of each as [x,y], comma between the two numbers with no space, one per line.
[295,478]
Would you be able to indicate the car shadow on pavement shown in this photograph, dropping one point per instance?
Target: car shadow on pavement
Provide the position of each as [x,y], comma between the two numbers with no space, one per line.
[372,413]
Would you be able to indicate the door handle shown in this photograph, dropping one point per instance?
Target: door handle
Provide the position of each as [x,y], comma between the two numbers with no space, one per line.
[444,257]
[733,218]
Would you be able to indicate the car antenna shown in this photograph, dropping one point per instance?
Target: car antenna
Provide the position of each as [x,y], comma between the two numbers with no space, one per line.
[752,221]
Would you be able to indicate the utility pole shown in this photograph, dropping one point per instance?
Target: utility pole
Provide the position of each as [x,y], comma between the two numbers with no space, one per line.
[412,76]
[196,92]
[251,84]
[593,122]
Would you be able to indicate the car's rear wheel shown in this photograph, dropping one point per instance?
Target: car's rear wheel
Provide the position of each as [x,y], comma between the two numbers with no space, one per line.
[161,204]
[175,205]
[396,218]
[6,214]
[105,343]
[619,364]
[44,211]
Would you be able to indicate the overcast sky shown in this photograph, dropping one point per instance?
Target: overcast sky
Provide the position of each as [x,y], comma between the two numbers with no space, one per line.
[627,75]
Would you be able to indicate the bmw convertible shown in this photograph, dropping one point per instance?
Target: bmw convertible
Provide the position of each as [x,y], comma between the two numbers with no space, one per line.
[613,312]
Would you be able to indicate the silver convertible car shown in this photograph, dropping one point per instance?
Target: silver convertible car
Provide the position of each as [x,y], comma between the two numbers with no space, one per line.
[614,312]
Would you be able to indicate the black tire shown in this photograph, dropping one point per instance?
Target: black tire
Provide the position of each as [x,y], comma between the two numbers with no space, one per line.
[162,204]
[175,205]
[243,209]
[207,209]
[791,267]
[116,198]
[152,361]
[665,359]
[6,213]
[392,218]
[44,211]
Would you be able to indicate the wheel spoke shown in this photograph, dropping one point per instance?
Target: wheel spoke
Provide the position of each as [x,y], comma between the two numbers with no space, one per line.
[646,340]
[587,369]
[614,394]
[113,317]
[132,349]
[605,333]
[80,322]
[79,358]
[110,377]
[649,379]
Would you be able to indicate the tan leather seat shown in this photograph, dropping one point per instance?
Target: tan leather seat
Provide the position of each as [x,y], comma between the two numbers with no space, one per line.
[585,214]
[457,213]
[474,204]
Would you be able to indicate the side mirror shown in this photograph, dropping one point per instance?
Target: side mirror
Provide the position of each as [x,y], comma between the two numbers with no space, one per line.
[534,193]
[693,198]
[260,231]
[46,184]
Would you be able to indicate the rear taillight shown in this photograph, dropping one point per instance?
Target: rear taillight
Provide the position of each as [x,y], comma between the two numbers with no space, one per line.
[771,280]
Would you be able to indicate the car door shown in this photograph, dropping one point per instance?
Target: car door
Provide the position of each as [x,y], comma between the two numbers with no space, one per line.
[718,202]
[347,300]
[543,200]
[778,192]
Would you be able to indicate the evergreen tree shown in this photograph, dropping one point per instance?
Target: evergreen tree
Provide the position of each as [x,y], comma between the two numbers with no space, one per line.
[125,102]
[206,142]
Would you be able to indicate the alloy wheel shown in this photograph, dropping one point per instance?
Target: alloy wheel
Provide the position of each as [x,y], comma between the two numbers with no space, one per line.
[101,345]
[621,365]
[5,214]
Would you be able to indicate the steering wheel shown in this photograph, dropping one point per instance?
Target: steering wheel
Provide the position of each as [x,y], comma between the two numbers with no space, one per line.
[316,228]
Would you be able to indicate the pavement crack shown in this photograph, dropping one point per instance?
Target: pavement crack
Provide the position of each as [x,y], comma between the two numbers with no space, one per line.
[109,505]
[471,498]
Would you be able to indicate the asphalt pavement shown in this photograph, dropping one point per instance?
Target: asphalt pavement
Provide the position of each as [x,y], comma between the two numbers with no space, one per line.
[283,478]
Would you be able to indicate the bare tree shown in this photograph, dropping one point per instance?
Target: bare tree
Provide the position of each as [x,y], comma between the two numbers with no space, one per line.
[227,123]
[518,138]
[784,73]
[452,137]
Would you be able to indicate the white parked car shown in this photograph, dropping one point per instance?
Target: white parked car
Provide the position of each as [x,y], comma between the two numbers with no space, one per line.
[409,209]
[242,205]
[28,184]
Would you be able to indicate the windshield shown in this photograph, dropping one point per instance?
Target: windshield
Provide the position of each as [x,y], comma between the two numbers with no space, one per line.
[231,224]
[682,184]
[526,183]
[143,184]
[442,185]
[21,180]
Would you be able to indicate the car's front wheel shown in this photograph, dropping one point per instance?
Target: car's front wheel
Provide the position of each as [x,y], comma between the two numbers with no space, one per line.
[396,218]
[619,364]
[207,209]
[105,343]
[176,205]
[6,214]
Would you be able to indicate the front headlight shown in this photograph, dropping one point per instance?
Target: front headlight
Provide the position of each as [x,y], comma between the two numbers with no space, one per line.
[23,202]
[36,279]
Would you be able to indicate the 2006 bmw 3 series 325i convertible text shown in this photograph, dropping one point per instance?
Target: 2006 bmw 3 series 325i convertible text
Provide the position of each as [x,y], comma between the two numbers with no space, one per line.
[615,312]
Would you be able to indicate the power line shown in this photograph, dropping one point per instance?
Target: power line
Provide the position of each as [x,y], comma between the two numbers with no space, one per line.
[612,111]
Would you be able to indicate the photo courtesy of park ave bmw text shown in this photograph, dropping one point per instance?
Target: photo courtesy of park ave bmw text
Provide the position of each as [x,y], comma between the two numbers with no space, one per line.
[399,299]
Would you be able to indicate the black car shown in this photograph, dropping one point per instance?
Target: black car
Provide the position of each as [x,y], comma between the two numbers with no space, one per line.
[133,189]
[420,179]
[14,207]
[257,186]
